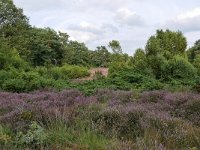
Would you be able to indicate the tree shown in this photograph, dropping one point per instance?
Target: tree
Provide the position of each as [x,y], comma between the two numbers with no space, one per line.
[13,26]
[162,47]
[77,54]
[64,38]
[9,57]
[139,58]
[194,51]
[10,15]
[139,61]
[194,55]
[115,46]
[196,63]
[180,68]
[45,47]
[166,43]
[158,64]
[100,57]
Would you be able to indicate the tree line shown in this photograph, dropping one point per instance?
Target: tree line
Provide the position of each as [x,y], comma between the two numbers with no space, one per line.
[164,58]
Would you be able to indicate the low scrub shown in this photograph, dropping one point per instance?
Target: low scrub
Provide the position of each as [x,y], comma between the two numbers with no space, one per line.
[68,72]
[106,120]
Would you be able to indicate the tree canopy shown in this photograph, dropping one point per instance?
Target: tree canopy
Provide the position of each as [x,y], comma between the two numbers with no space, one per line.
[166,43]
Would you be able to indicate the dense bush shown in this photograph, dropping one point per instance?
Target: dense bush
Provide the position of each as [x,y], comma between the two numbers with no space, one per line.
[116,67]
[130,78]
[57,77]
[180,68]
[19,81]
[9,58]
[34,137]
[68,72]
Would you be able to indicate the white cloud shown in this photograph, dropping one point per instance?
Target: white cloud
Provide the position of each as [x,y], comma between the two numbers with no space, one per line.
[88,32]
[127,17]
[190,14]
[99,29]
[186,22]
[80,35]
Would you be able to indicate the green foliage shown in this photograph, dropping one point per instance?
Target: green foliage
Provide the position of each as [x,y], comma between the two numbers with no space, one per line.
[10,14]
[153,46]
[139,59]
[68,72]
[9,57]
[180,68]
[77,54]
[5,136]
[196,64]
[161,50]
[100,57]
[130,78]
[166,43]
[194,51]
[116,66]
[16,81]
[45,47]
[41,77]
[35,136]
[158,64]
[115,46]
[13,26]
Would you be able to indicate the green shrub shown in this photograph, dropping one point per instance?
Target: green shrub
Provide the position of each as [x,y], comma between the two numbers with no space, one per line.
[158,64]
[196,64]
[68,72]
[14,85]
[43,71]
[35,136]
[5,136]
[129,78]
[9,58]
[180,68]
[20,81]
[116,67]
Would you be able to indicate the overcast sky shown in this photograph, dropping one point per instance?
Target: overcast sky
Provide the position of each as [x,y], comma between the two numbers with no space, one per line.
[132,22]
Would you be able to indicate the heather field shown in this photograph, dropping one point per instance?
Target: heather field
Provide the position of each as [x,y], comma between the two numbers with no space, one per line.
[156,120]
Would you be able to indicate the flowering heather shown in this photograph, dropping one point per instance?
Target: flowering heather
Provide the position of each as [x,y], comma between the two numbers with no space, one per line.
[121,114]
[14,107]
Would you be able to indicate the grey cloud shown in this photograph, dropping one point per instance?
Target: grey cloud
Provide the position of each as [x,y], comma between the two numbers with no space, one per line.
[110,27]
